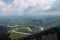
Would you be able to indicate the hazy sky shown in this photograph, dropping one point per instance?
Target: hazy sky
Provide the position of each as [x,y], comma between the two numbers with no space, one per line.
[30,7]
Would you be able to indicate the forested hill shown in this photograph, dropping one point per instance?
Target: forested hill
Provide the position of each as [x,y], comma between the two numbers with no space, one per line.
[50,34]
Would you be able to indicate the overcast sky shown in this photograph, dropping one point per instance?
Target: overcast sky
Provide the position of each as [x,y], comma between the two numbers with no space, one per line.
[30,7]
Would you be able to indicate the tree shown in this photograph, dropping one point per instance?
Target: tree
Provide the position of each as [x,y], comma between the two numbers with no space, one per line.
[5,36]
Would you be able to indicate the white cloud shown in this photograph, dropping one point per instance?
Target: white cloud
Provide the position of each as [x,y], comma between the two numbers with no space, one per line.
[19,6]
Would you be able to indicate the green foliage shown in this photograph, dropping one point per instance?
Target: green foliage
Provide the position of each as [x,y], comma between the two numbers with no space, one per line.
[5,36]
